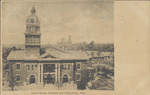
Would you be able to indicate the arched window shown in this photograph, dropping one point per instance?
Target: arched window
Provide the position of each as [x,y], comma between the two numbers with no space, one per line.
[32,79]
[65,78]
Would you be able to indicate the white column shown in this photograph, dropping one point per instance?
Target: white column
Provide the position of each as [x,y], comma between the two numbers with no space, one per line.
[38,73]
[41,73]
[59,72]
[55,72]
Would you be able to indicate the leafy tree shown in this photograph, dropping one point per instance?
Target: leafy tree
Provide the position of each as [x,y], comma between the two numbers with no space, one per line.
[6,52]
[14,48]
[84,80]
[91,46]
[12,81]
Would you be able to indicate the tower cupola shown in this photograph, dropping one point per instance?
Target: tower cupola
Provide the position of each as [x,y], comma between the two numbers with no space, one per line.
[32,34]
[32,18]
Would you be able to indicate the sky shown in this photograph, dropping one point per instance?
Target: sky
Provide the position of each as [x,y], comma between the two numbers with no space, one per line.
[84,21]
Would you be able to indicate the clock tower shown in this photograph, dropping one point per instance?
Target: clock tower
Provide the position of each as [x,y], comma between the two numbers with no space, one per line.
[32,35]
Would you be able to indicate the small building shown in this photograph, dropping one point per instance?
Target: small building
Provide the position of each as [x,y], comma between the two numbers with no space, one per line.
[98,60]
[109,56]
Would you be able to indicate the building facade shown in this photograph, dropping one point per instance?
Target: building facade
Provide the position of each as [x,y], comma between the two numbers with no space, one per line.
[54,66]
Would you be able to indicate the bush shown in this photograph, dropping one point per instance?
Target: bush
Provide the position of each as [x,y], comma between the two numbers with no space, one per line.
[81,86]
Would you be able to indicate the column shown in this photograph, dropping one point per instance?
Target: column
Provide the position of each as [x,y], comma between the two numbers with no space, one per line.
[25,74]
[56,73]
[41,73]
[59,72]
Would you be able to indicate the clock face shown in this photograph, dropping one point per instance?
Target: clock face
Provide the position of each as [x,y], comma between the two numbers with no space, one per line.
[32,20]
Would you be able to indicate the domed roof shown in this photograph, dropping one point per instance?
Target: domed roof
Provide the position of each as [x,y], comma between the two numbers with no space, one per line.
[33,18]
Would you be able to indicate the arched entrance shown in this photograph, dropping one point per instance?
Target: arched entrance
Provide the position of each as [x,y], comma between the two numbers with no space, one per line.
[65,78]
[32,79]
[50,79]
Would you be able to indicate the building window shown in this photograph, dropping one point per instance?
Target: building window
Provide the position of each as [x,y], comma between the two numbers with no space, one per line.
[32,40]
[28,66]
[35,65]
[78,66]
[36,40]
[61,67]
[18,66]
[78,77]
[26,40]
[33,29]
[68,66]
[29,40]
[97,61]
[65,67]
[18,78]
[32,67]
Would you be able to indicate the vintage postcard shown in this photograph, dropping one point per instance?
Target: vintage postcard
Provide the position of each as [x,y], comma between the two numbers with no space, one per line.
[58,47]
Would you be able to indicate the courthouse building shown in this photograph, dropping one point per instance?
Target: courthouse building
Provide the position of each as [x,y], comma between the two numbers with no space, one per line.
[30,66]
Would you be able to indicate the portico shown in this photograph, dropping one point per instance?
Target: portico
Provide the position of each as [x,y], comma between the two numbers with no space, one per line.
[48,73]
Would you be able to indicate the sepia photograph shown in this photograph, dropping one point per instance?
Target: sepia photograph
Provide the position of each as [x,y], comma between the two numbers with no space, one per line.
[58,45]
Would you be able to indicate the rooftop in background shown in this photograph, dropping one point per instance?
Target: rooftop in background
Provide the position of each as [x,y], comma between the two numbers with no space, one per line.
[99,54]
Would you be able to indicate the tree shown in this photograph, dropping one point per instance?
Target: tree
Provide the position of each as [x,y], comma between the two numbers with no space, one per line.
[84,80]
[6,52]
[14,48]
[91,45]
[12,81]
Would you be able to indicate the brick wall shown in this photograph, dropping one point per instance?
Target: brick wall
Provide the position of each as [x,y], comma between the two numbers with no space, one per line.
[31,71]
[67,72]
